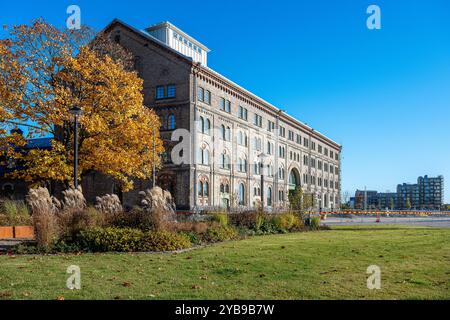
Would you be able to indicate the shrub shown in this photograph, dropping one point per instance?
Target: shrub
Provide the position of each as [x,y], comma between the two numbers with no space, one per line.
[15,213]
[135,218]
[129,239]
[193,237]
[165,241]
[195,227]
[219,233]
[244,219]
[315,223]
[221,218]
[72,222]
[287,221]
[111,239]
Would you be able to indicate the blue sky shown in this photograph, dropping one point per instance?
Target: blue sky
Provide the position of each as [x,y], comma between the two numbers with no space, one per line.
[383,94]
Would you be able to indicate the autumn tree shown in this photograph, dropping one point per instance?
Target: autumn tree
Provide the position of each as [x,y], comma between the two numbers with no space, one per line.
[44,73]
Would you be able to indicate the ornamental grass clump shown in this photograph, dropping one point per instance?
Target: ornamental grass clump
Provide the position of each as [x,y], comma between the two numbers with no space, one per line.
[73,199]
[108,204]
[44,209]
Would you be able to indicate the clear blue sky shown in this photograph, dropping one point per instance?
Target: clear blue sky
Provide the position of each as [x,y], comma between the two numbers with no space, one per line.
[383,94]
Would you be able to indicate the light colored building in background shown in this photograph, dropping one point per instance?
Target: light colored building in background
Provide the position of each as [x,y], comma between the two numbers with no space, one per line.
[233,130]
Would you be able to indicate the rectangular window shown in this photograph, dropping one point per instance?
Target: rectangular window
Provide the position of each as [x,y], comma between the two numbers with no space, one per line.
[299,139]
[319,148]
[171,91]
[222,104]
[257,120]
[282,132]
[228,106]
[291,135]
[201,94]
[160,92]
[207,97]
[242,113]
[270,126]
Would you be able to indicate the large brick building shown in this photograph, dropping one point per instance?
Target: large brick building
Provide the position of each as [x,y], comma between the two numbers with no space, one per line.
[232,130]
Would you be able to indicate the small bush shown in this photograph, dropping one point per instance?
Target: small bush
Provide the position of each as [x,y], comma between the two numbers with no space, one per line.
[287,221]
[219,233]
[135,218]
[315,223]
[193,237]
[72,222]
[244,219]
[129,240]
[187,227]
[165,241]
[221,218]
[111,239]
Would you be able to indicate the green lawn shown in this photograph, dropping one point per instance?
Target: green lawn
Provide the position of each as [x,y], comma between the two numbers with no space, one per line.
[414,262]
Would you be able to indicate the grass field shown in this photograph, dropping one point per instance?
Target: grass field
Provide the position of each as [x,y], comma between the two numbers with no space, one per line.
[414,262]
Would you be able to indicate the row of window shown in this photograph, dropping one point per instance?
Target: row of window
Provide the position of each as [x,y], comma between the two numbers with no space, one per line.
[225,105]
[320,182]
[203,192]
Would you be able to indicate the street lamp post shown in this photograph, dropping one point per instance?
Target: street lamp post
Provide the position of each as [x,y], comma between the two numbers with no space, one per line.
[76,112]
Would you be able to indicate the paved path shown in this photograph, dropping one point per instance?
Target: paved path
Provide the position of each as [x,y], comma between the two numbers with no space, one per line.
[442,221]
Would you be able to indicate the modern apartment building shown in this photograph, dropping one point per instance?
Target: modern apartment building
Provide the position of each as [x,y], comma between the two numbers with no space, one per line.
[242,149]
[426,194]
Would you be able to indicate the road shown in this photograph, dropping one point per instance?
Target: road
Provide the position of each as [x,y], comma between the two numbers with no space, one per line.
[430,221]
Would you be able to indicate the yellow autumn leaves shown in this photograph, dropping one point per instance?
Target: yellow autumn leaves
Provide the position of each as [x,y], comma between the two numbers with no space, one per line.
[116,129]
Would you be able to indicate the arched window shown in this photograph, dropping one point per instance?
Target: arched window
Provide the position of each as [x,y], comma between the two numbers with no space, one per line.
[171,124]
[203,187]
[270,170]
[281,173]
[222,188]
[241,194]
[281,195]
[228,134]
[206,189]
[223,132]
[269,196]
[204,125]
[257,168]
[257,191]
[203,156]
[200,188]
[201,124]
[207,127]
[242,165]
